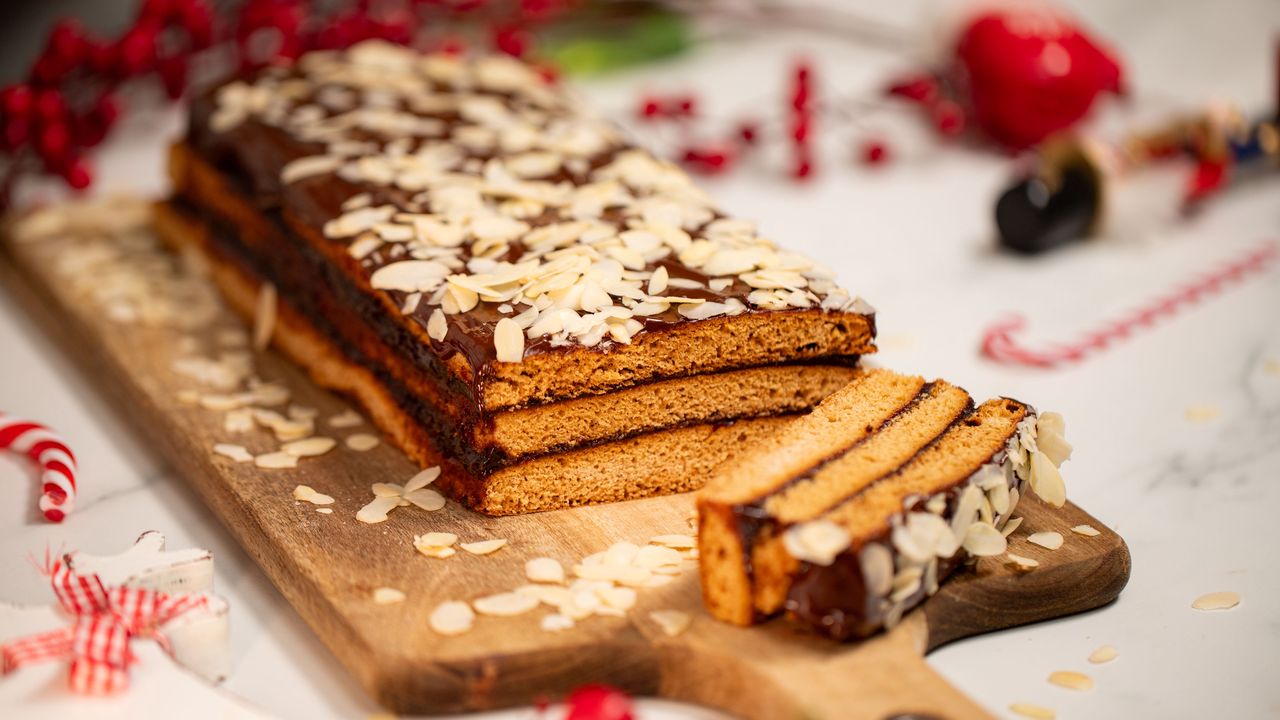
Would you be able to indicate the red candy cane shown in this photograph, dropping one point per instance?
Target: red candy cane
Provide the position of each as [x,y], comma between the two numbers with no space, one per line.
[57,464]
[999,345]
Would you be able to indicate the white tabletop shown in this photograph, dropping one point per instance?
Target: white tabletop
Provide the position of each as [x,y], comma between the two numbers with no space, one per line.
[1195,499]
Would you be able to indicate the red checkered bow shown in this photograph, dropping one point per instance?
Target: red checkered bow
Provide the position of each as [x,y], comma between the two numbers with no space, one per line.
[105,620]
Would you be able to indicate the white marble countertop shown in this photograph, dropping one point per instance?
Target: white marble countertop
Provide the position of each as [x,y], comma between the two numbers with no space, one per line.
[1196,499]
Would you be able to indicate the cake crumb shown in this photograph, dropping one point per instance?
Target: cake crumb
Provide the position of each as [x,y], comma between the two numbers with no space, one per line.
[1104,654]
[1071,680]
[672,622]
[1048,540]
[387,596]
[1217,601]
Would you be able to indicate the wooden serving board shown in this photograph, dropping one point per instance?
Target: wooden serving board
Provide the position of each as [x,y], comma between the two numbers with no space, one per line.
[328,565]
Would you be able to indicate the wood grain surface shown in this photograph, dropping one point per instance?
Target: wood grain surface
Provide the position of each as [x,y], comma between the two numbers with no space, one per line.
[328,566]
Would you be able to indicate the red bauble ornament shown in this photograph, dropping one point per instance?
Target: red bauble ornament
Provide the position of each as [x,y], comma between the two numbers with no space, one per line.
[1028,72]
[599,702]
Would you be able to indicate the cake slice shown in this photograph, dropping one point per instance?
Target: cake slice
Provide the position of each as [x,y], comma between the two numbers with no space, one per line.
[498,277]
[853,514]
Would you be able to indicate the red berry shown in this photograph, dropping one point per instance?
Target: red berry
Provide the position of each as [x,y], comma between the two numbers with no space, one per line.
[599,702]
[874,152]
[136,51]
[708,160]
[54,142]
[801,128]
[173,73]
[917,88]
[67,42]
[197,20]
[452,46]
[948,118]
[17,131]
[650,107]
[685,106]
[77,174]
[748,132]
[50,107]
[17,100]
[512,41]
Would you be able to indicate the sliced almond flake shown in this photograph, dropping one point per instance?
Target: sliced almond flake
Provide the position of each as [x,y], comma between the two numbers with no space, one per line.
[238,421]
[984,540]
[1046,481]
[1049,540]
[1022,563]
[424,478]
[235,452]
[672,622]
[346,419]
[363,246]
[675,541]
[276,460]
[376,510]
[656,556]
[1086,530]
[272,394]
[306,493]
[1216,601]
[658,281]
[411,303]
[362,442]
[188,397]
[387,596]
[437,325]
[305,167]
[452,618]
[1035,712]
[325,511]
[1010,526]
[508,604]
[1104,654]
[484,547]
[302,412]
[264,317]
[439,553]
[619,598]
[555,622]
[426,498]
[816,541]
[309,447]
[1071,680]
[545,570]
[508,341]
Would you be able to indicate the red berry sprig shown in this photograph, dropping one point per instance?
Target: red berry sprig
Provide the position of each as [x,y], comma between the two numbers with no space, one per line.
[802,120]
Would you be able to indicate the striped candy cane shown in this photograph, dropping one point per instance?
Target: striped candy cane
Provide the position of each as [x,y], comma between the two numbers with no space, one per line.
[57,464]
[998,343]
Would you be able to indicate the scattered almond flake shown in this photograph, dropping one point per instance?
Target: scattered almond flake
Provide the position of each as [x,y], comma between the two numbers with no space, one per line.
[1217,601]
[188,397]
[984,540]
[276,460]
[672,622]
[387,596]
[452,618]
[675,541]
[555,622]
[816,541]
[425,498]
[484,547]
[656,556]
[1009,527]
[306,493]
[376,510]
[508,604]
[1049,540]
[1104,654]
[440,553]
[346,419]
[1203,413]
[264,317]
[364,246]
[302,412]
[235,452]
[434,539]
[1071,680]
[362,442]
[238,420]
[620,598]
[309,447]
[1035,712]
[437,325]
[508,341]
[1022,563]
[325,511]
[305,167]
[1086,530]
[423,478]
[411,303]
[544,569]
[658,281]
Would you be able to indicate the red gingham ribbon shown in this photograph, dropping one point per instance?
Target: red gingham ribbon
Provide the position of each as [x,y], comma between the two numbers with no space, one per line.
[50,451]
[97,644]
[999,345]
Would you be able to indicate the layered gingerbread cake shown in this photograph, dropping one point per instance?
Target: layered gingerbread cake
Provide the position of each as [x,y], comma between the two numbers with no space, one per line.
[508,287]
[851,515]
